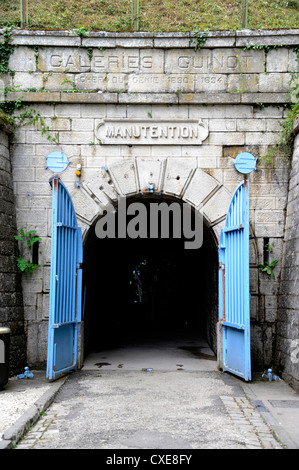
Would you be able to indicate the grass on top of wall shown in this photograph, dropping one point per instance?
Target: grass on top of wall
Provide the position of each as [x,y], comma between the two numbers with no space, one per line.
[154,15]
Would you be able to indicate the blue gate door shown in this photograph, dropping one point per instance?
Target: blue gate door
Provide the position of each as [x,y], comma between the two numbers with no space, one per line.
[234,297]
[65,283]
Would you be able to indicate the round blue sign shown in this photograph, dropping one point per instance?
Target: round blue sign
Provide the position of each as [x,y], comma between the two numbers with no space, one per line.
[245,163]
[57,162]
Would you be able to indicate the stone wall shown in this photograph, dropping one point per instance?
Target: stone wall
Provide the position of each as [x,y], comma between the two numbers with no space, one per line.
[11,302]
[287,343]
[150,100]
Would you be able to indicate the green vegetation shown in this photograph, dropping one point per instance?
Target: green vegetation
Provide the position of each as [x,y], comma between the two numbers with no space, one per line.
[23,264]
[154,15]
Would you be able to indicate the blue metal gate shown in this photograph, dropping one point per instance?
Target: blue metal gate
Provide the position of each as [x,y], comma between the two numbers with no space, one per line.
[234,297]
[65,283]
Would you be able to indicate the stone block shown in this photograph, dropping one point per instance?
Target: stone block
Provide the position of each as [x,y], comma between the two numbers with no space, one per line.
[208,162]
[168,112]
[31,216]
[91,81]
[277,60]
[293,65]
[222,125]
[202,151]
[254,98]
[204,112]
[177,174]
[208,98]
[149,98]
[82,124]
[261,138]
[166,151]
[214,61]
[239,83]
[123,61]
[272,83]
[93,110]
[150,172]
[262,203]
[217,206]
[26,80]
[268,112]
[63,110]
[23,59]
[59,81]
[76,137]
[99,42]
[254,125]
[210,83]
[101,188]
[160,83]
[86,208]
[166,43]
[124,177]
[66,59]
[200,188]
[226,138]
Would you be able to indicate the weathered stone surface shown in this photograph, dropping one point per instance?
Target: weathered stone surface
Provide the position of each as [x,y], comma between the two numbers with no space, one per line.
[177,174]
[199,188]
[240,95]
[217,206]
[124,177]
[150,172]
[23,59]
[11,304]
[288,323]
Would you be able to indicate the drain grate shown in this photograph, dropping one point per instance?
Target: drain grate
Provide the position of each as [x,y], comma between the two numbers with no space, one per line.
[284,403]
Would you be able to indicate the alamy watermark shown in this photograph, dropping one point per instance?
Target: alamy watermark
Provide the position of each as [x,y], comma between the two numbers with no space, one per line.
[152,220]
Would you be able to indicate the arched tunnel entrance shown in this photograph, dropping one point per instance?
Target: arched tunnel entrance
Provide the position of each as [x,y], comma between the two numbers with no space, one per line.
[149,288]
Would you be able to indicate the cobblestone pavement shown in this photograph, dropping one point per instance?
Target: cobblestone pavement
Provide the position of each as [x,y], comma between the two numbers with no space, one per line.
[150,410]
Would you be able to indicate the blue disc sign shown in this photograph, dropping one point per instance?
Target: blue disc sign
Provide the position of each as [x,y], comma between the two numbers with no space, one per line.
[57,162]
[245,163]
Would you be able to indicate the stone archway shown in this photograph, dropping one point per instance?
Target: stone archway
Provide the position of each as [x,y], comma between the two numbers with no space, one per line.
[175,178]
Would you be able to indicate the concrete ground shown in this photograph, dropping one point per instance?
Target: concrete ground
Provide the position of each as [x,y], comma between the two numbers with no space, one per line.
[154,395]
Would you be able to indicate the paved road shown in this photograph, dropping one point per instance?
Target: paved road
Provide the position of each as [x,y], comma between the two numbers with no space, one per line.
[184,402]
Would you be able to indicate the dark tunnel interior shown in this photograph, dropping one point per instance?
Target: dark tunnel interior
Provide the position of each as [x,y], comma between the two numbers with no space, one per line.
[142,288]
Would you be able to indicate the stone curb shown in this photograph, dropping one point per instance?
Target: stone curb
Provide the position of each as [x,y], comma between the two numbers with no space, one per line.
[13,434]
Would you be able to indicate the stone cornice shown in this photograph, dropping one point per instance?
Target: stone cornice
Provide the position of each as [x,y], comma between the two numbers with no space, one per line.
[239,38]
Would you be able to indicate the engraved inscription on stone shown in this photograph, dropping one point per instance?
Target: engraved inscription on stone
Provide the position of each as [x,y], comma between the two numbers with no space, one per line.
[142,132]
[151,71]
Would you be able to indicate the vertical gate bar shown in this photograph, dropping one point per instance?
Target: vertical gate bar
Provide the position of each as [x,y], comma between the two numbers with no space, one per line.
[239,277]
[67,261]
[71,298]
[232,275]
[58,281]
[57,272]
[72,259]
[64,257]
[235,272]
[71,274]
[71,267]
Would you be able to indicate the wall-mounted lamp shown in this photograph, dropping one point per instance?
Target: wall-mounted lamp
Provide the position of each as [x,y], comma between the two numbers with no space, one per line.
[78,171]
